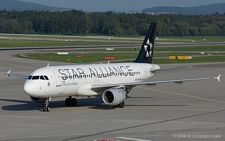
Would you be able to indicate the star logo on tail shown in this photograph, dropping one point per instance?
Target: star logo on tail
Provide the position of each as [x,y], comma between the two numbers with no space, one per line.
[148,48]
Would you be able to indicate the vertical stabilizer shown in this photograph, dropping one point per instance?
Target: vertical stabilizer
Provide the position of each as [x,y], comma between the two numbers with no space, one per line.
[146,53]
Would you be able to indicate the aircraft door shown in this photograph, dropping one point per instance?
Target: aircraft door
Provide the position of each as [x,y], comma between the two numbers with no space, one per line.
[58,79]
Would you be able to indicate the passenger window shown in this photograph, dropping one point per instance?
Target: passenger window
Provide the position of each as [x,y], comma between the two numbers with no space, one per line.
[46,77]
[42,78]
[35,77]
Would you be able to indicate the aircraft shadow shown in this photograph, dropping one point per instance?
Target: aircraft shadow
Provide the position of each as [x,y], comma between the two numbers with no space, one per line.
[175,105]
[140,97]
[91,103]
[23,105]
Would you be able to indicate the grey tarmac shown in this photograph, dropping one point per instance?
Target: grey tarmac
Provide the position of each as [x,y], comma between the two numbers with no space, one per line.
[165,112]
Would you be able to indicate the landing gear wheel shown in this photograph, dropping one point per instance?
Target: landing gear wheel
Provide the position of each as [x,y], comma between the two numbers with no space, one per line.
[115,106]
[71,101]
[67,102]
[47,108]
[121,105]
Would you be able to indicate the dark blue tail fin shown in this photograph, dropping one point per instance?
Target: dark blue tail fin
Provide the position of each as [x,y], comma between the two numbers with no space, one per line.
[146,53]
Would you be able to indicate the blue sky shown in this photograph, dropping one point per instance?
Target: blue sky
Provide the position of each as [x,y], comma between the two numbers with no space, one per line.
[121,5]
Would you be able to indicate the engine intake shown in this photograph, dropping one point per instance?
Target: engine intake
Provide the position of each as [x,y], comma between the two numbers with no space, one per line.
[113,97]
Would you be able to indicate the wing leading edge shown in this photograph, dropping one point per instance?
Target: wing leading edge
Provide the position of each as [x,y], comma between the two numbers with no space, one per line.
[151,83]
[16,75]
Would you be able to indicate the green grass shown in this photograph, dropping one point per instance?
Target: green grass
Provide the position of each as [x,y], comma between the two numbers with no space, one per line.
[160,57]
[42,43]
[19,40]
[167,38]
[161,54]
[87,57]
[191,48]
[196,38]
[62,37]
[193,60]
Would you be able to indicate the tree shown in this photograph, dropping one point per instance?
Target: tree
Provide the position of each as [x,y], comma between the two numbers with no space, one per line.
[112,28]
[109,23]
[27,27]
[15,26]
[207,31]
[193,30]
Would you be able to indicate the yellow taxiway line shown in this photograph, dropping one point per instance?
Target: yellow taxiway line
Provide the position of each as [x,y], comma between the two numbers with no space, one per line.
[184,95]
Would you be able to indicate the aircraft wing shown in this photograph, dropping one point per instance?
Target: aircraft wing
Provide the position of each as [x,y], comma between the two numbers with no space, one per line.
[16,75]
[151,83]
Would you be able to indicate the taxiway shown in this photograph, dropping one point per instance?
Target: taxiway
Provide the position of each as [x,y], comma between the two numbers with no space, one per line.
[193,110]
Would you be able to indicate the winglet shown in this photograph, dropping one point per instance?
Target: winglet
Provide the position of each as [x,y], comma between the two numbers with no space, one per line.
[218,78]
[8,73]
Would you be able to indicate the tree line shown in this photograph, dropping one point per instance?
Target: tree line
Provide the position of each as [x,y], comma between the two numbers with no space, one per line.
[108,23]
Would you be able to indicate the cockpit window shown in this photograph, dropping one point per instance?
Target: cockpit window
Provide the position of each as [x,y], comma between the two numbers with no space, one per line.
[42,78]
[46,77]
[29,77]
[35,77]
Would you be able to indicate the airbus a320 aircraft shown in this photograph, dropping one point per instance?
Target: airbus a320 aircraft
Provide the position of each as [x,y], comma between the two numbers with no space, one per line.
[113,81]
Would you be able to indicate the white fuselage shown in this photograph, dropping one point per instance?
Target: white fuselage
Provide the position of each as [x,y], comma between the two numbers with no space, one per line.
[76,80]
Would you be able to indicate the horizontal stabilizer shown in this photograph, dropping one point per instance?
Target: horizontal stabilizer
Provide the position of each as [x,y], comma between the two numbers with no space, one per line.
[171,68]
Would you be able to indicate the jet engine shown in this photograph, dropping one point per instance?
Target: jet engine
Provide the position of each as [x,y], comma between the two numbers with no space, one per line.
[113,96]
[37,100]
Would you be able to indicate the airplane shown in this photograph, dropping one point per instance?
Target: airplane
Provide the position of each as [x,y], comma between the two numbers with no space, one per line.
[112,80]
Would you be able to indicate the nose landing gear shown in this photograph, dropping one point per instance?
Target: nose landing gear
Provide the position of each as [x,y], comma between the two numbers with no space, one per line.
[47,108]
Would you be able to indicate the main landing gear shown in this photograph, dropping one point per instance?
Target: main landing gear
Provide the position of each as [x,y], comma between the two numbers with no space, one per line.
[47,108]
[71,102]
[121,105]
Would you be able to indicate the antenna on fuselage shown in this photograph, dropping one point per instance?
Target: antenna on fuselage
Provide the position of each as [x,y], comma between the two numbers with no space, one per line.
[48,65]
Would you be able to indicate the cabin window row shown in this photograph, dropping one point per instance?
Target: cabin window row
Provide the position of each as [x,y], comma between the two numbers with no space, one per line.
[37,77]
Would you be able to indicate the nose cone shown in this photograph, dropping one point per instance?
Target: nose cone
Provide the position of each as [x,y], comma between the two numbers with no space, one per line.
[28,88]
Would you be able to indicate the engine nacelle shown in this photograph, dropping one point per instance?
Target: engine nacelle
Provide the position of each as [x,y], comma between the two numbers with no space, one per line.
[37,100]
[113,97]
